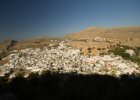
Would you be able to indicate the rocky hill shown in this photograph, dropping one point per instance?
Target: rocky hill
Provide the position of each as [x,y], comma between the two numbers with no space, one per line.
[115,33]
[100,40]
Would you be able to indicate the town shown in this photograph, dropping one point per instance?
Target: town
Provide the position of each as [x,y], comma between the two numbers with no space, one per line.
[65,59]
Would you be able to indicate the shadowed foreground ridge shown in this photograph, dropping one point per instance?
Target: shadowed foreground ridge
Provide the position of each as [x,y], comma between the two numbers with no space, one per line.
[55,86]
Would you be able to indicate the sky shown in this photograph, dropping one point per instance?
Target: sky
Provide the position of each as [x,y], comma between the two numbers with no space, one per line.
[24,19]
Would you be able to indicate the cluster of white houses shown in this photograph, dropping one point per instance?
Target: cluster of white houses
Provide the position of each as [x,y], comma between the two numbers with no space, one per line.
[65,59]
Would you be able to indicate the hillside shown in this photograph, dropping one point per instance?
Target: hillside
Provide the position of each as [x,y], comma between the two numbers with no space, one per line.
[115,33]
[100,40]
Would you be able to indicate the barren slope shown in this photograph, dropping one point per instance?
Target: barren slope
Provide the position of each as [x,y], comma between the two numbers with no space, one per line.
[117,33]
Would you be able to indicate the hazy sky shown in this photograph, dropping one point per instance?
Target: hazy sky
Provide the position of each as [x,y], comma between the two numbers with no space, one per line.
[20,19]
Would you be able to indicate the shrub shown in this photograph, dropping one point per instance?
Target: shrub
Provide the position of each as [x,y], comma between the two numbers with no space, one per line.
[121,52]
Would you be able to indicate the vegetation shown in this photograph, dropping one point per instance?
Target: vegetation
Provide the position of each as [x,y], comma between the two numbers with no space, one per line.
[120,50]
[55,86]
